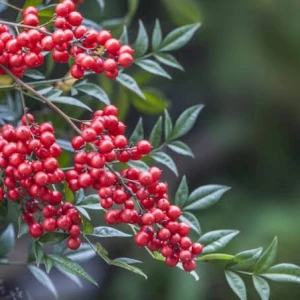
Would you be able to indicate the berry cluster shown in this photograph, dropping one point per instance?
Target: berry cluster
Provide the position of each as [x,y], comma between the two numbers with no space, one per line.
[28,169]
[91,50]
[132,196]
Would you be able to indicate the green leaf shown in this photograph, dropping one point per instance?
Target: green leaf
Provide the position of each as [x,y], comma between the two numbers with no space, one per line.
[129,82]
[138,132]
[156,36]
[68,101]
[168,125]
[101,250]
[246,259]
[182,192]
[215,257]
[181,148]
[46,13]
[237,284]
[283,273]
[69,196]
[155,102]
[48,262]
[156,133]
[66,145]
[83,212]
[53,237]
[34,74]
[45,90]
[267,258]
[79,196]
[71,267]
[179,37]
[128,267]
[126,260]
[84,253]
[124,37]
[205,196]
[132,8]
[32,3]
[3,209]
[95,91]
[91,202]
[262,287]
[191,220]
[38,252]
[186,121]
[138,164]
[165,160]
[22,227]
[43,278]
[216,240]
[72,277]
[104,231]
[142,41]
[7,240]
[169,60]
[87,225]
[152,67]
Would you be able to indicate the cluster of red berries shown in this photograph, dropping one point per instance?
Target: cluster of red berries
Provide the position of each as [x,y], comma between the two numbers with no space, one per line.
[92,50]
[132,196]
[28,169]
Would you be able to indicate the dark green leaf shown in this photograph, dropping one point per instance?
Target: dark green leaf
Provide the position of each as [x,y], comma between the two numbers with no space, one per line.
[95,91]
[91,24]
[155,102]
[46,13]
[156,36]
[138,132]
[53,237]
[71,267]
[182,193]
[45,90]
[48,262]
[186,121]
[152,67]
[156,133]
[124,37]
[237,284]
[72,277]
[79,196]
[91,202]
[181,148]
[246,259]
[32,3]
[43,278]
[126,260]
[129,82]
[83,212]
[165,160]
[22,227]
[66,145]
[262,287]
[179,37]
[283,273]
[168,125]
[132,7]
[214,241]
[7,240]
[267,258]
[142,41]
[205,196]
[128,267]
[138,164]
[68,101]
[38,252]
[3,209]
[84,253]
[169,60]
[34,74]
[104,231]
[191,220]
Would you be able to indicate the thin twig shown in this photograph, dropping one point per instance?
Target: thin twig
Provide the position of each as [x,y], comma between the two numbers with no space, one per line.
[23,26]
[24,106]
[10,5]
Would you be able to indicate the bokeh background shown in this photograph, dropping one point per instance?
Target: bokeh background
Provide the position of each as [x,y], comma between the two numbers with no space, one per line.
[244,65]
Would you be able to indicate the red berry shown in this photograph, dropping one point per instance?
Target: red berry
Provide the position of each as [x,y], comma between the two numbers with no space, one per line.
[64,222]
[144,147]
[36,230]
[125,60]
[197,248]
[75,18]
[185,243]
[75,230]
[164,234]
[112,46]
[141,239]
[145,178]
[73,243]
[49,224]
[189,266]
[174,212]
[103,37]
[77,72]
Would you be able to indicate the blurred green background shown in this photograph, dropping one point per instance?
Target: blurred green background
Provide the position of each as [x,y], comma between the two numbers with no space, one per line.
[244,65]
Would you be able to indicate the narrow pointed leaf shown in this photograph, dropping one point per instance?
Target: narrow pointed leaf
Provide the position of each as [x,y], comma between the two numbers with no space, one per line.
[237,284]
[48,262]
[7,240]
[53,237]
[179,37]
[156,133]
[101,4]
[68,101]
[84,253]
[43,278]
[181,148]
[142,41]
[138,164]
[66,145]
[246,259]
[124,37]
[71,276]
[138,132]
[95,91]
[267,258]
[214,241]
[38,252]
[104,231]
[168,125]
[128,267]
[152,67]
[91,202]
[192,221]
[34,74]
[182,192]
[283,273]
[186,121]
[205,196]
[262,287]
[71,267]
[165,160]
[129,82]
[22,227]
[169,60]
[156,35]
[126,260]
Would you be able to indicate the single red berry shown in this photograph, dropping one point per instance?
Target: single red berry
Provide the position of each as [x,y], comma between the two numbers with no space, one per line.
[73,243]
[185,243]
[49,224]
[103,37]
[164,234]
[64,222]
[174,212]
[144,147]
[197,248]
[145,178]
[142,239]
[172,261]
[189,266]
[75,18]
[125,60]
[75,230]
[36,230]
[112,46]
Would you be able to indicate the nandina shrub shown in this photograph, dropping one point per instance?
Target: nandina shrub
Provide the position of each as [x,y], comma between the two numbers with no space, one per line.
[53,200]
